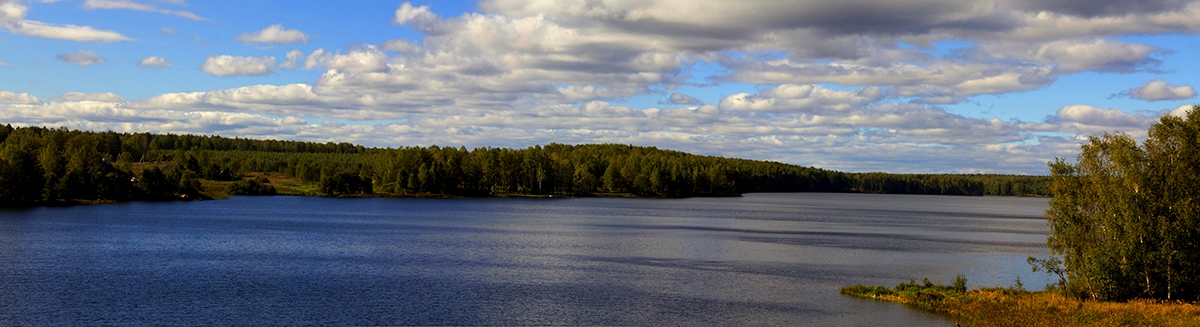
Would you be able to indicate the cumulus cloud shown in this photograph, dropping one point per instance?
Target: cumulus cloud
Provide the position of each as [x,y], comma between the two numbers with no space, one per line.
[362,59]
[937,80]
[226,65]
[274,34]
[1158,89]
[680,98]
[1071,56]
[81,58]
[18,98]
[801,98]
[421,17]
[134,5]
[11,13]
[154,62]
[97,97]
[1181,111]
[1084,115]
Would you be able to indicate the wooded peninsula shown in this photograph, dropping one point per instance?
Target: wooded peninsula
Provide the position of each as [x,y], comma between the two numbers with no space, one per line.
[46,166]
[1124,238]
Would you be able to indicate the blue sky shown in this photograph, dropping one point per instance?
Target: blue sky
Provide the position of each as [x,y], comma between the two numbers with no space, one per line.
[999,86]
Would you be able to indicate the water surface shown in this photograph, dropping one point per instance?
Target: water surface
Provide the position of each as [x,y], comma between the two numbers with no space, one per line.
[774,259]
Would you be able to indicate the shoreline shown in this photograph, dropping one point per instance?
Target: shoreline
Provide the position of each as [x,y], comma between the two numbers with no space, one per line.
[1015,306]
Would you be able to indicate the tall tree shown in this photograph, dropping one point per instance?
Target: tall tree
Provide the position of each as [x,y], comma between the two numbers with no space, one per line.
[1125,218]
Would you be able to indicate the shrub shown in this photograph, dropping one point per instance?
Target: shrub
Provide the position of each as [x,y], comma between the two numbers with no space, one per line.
[960,283]
[249,187]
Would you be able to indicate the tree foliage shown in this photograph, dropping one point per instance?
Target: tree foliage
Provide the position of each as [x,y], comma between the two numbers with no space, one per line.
[40,165]
[1125,218]
[346,183]
[250,187]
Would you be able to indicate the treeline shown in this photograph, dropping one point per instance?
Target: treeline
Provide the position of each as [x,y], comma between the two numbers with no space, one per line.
[598,168]
[39,166]
[946,184]
[46,165]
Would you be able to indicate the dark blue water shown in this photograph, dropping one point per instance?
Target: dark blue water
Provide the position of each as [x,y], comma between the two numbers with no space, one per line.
[762,259]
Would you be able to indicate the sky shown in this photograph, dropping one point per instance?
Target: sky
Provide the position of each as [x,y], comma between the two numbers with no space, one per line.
[915,86]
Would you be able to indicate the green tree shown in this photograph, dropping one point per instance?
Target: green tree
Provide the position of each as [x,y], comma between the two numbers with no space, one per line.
[1125,217]
[583,180]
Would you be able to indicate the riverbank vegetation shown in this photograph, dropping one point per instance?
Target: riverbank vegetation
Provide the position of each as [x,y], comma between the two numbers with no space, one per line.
[1015,306]
[1125,218]
[1125,238]
[56,165]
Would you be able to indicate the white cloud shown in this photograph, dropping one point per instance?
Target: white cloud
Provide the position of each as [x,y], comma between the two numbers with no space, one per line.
[98,97]
[226,65]
[1050,26]
[134,5]
[802,98]
[1158,89]
[12,17]
[67,32]
[274,34]
[81,58]
[11,13]
[1071,56]
[18,98]
[942,78]
[1181,111]
[363,59]
[1101,117]
[4,64]
[154,62]
[421,17]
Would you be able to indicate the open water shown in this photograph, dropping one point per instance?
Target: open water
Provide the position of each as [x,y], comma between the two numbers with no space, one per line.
[761,259]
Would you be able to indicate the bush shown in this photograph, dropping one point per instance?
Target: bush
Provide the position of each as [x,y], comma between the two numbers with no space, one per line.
[249,187]
[960,283]
[346,183]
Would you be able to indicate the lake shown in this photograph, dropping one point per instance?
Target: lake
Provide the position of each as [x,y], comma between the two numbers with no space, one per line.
[760,259]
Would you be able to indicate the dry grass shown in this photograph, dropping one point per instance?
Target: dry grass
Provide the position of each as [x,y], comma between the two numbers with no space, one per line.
[1008,307]
[214,189]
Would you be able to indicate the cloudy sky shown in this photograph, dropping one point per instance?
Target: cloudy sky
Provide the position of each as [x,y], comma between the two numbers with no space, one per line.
[999,86]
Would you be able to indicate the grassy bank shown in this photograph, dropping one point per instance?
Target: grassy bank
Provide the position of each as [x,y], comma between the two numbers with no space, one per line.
[1018,307]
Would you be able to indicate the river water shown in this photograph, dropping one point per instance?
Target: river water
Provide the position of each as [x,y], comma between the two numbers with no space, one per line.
[761,259]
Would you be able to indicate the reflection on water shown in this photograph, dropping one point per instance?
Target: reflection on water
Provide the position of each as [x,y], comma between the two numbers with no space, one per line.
[773,259]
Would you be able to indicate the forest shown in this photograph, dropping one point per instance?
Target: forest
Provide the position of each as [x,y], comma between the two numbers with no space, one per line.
[41,165]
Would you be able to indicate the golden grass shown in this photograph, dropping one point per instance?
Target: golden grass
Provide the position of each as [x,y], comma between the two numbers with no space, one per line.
[1008,307]
[214,189]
